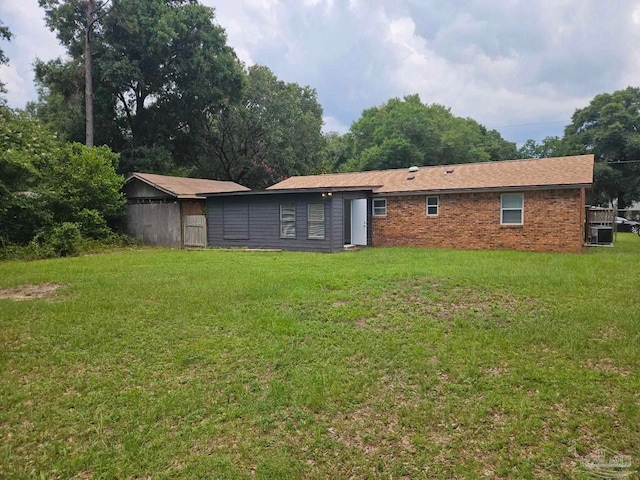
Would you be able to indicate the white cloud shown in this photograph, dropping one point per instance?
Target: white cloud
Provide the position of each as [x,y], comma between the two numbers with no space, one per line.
[250,24]
[502,63]
[332,124]
[16,85]
[635,16]
[31,39]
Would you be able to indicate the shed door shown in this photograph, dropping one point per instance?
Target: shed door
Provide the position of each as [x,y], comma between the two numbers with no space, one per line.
[359,221]
[195,231]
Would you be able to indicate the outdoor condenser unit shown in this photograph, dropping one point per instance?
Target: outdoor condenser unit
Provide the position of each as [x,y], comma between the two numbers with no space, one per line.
[602,235]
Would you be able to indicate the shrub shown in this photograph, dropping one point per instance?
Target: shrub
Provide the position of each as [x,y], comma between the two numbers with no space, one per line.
[33,251]
[66,239]
[93,225]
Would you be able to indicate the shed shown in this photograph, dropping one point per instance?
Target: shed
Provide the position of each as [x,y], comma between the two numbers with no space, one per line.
[168,211]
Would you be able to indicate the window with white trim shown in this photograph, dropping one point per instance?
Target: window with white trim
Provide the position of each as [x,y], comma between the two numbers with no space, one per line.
[287,220]
[379,207]
[511,208]
[315,221]
[433,206]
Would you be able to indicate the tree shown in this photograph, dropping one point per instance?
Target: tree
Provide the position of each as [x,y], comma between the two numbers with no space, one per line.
[60,86]
[92,16]
[44,184]
[81,184]
[272,133]
[337,150]
[608,128]
[406,132]
[549,147]
[26,147]
[160,69]
[6,34]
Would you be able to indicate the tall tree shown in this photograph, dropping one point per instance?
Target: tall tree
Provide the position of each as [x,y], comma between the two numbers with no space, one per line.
[272,133]
[91,13]
[405,132]
[609,128]
[5,34]
[160,68]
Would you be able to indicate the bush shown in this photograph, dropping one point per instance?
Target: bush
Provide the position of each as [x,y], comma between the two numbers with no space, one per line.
[66,239]
[41,247]
[93,225]
[32,251]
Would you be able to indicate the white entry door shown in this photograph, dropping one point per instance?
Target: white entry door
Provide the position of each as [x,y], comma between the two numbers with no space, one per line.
[359,221]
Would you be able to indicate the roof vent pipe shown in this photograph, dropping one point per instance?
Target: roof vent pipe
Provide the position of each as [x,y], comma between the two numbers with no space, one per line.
[413,169]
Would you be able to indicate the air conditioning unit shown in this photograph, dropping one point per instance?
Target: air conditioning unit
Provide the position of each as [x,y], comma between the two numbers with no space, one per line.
[602,235]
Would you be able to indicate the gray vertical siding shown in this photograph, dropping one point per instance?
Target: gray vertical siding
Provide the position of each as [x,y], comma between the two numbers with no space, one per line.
[235,218]
[155,224]
[337,229]
[254,221]
[263,214]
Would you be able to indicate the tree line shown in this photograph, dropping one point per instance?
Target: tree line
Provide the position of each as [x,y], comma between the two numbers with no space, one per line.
[609,127]
[168,95]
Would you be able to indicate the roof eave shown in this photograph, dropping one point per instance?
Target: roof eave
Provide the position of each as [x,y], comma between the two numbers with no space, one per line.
[152,184]
[286,191]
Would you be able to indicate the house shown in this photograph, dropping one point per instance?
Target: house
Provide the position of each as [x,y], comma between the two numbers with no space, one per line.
[167,211]
[534,205]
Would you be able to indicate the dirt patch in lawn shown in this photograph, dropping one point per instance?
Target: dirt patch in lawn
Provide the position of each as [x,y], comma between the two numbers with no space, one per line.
[29,292]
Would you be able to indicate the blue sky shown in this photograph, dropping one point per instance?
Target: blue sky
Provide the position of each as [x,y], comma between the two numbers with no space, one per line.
[519,66]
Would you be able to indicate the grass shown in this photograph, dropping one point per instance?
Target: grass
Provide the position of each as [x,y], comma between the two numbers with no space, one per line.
[387,363]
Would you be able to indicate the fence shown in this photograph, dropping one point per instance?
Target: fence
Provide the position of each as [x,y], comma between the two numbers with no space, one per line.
[600,225]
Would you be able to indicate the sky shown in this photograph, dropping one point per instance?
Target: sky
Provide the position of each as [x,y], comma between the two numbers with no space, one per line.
[519,66]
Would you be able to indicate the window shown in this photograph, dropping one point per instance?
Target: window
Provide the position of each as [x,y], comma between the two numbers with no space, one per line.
[315,221]
[433,204]
[511,207]
[287,220]
[379,207]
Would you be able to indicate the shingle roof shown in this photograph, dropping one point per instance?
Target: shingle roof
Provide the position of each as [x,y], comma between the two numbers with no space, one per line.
[530,173]
[183,187]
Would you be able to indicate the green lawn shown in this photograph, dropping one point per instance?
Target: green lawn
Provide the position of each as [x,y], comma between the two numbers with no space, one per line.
[392,363]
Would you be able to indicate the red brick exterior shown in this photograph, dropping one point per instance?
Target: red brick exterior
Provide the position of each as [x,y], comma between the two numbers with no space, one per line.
[553,222]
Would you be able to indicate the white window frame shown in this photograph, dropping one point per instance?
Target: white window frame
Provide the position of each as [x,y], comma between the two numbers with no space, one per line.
[437,205]
[316,222]
[373,207]
[511,209]
[287,225]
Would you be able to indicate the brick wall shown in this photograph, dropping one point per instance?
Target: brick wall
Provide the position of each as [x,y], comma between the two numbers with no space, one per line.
[553,222]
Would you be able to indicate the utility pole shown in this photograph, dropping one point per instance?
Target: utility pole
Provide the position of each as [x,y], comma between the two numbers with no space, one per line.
[88,71]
